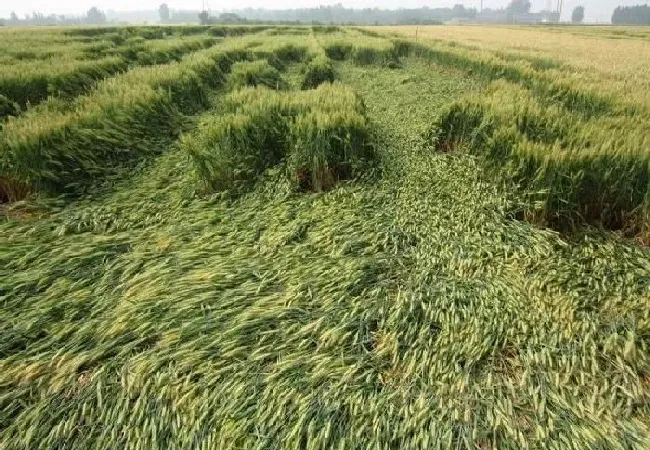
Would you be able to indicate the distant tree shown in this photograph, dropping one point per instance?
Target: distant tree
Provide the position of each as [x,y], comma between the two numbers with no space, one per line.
[519,7]
[13,18]
[95,17]
[578,14]
[230,18]
[163,12]
[631,15]
[338,14]
[204,18]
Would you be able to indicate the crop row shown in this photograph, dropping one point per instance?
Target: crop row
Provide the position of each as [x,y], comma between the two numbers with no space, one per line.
[317,68]
[321,134]
[76,43]
[159,32]
[595,171]
[67,68]
[583,155]
[123,119]
[32,82]
[362,49]
[318,135]
[533,75]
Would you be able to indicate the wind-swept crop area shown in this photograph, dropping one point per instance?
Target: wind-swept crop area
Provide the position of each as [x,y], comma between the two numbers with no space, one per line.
[322,237]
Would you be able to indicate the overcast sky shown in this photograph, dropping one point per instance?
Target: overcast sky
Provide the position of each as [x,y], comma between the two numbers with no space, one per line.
[595,10]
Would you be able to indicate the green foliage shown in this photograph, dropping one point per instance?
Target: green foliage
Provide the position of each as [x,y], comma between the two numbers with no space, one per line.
[281,54]
[235,30]
[526,72]
[31,83]
[325,29]
[7,108]
[579,151]
[327,146]
[158,32]
[411,310]
[408,312]
[124,119]
[234,148]
[164,51]
[582,169]
[35,69]
[163,12]
[631,15]
[578,14]
[363,50]
[518,7]
[255,73]
[322,134]
[338,51]
[317,71]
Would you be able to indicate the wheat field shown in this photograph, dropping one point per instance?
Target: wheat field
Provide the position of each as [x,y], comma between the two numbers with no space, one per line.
[607,59]
[319,237]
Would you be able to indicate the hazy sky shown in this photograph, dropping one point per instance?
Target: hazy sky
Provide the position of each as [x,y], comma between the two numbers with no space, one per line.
[595,10]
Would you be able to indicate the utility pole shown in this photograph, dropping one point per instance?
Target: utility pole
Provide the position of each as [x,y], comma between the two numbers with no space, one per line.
[481,6]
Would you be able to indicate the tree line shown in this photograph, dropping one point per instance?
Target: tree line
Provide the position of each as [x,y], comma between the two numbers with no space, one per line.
[338,14]
[631,15]
[94,16]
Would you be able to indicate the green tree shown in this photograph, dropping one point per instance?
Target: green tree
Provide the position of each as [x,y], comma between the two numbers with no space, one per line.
[204,18]
[230,18]
[163,12]
[631,15]
[95,17]
[578,14]
[517,7]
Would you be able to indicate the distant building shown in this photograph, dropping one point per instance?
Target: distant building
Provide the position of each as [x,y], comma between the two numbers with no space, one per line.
[460,21]
[535,18]
[501,16]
